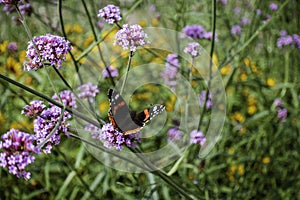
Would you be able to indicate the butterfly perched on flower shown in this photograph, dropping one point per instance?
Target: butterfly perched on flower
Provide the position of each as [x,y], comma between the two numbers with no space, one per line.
[125,121]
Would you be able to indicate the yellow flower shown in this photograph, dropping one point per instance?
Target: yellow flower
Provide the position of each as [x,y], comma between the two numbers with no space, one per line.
[143,23]
[103,106]
[14,66]
[22,125]
[271,82]
[241,169]
[226,70]
[252,109]
[215,59]
[154,22]
[243,76]
[88,41]
[266,160]
[171,103]
[231,151]
[3,47]
[22,56]
[247,62]
[254,68]
[77,28]
[2,120]
[237,116]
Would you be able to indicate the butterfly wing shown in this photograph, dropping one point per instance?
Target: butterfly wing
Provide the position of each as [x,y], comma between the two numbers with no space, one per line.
[125,121]
[119,114]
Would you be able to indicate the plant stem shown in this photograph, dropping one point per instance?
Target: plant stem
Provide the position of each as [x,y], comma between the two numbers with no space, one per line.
[126,73]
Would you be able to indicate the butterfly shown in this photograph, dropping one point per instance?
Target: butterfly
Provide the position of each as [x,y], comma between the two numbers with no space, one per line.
[125,121]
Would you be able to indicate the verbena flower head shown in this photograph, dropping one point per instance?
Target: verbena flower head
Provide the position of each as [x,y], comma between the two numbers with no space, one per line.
[194,31]
[296,40]
[88,91]
[245,21]
[282,114]
[278,102]
[113,72]
[236,30]
[174,134]
[17,149]
[197,137]
[12,46]
[130,37]
[112,138]
[284,41]
[237,11]
[10,1]
[51,48]
[110,14]
[202,97]
[193,49]
[171,70]
[34,108]
[273,6]
[44,126]
[67,98]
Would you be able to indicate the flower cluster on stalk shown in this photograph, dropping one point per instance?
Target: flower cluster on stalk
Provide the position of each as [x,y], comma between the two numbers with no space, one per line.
[171,71]
[110,14]
[197,32]
[112,138]
[88,91]
[46,48]
[130,37]
[18,151]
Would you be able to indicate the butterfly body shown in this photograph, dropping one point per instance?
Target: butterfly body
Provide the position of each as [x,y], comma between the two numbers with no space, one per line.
[125,121]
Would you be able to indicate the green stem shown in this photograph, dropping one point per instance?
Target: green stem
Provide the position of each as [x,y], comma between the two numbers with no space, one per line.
[214,14]
[127,70]
[286,74]
[65,35]
[154,170]
[71,131]
[95,38]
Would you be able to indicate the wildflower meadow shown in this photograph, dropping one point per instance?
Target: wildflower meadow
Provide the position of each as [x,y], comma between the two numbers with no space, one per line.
[149,99]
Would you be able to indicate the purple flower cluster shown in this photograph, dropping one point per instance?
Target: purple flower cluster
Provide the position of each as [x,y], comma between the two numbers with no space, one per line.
[197,32]
[197,137]
[51,48]
[193,49]
[113,72]
[17,152]
[281,112]
[34,109]
[25,9]
[88,91]
[67,98]
[236,30]
[12,46]
[202,97]
[285,40]
[47,118]
[110,14]
[273,6]
[112,138]
[44,126]
[174,134]
[10,1]
[171,70]
[130,37]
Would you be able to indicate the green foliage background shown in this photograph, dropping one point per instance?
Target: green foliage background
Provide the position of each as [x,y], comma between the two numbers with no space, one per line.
[257,157]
